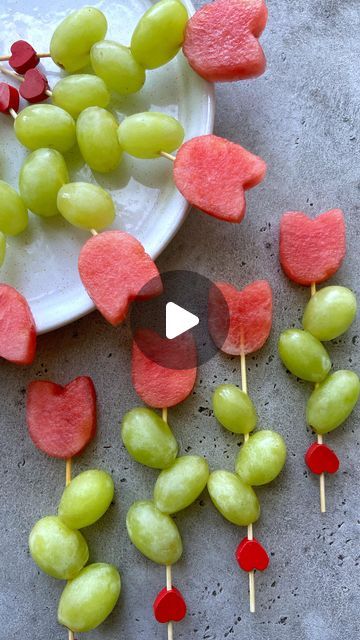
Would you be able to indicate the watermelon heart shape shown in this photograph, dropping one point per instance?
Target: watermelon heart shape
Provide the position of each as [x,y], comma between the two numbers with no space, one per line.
[312,250]
[61,420]
[34,87]
[249,313]
[169,606]
[24,57]
[213,173]
[321,459]
[251,555]
[115,270]
[163,386]
[9,98]
[221,40]
[17,327]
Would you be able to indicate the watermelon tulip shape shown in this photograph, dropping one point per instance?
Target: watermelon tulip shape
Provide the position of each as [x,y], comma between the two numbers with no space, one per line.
[250,314]
[159,385]
[221,40]
[61,420]
[115,270]
[17,327]
[312,250]
[213,174]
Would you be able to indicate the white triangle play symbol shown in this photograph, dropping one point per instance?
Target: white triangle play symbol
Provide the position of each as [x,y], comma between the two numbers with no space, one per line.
[178,320]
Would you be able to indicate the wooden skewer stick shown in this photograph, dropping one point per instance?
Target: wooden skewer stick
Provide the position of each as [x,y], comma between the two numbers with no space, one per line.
[170,627]
[18,77]
[250,533]
[168,156]
[94,232]
[39,55]
[320,441]
[68,473]
[13,113]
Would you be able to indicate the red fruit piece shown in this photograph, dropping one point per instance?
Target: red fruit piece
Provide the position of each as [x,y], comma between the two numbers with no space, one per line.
[312,250]
[24,57]
[321,459]
[17,327]
[34,87]
[251,555]
[169,606]
[158,385]
[212,174]
[250,315]
[221,40]
[9,98]
[61,420]
[115,270]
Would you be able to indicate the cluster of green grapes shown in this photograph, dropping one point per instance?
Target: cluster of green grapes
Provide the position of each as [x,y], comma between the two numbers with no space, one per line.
[328,314]
[60,550]
[150,441]
[259,461]
[79,114]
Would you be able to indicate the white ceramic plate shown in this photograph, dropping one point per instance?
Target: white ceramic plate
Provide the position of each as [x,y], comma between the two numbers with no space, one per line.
[42,262]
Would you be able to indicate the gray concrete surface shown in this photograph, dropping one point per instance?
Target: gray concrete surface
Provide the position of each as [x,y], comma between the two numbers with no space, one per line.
[302,117]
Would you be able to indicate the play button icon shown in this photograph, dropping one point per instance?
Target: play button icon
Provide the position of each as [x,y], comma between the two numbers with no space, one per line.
[178,320]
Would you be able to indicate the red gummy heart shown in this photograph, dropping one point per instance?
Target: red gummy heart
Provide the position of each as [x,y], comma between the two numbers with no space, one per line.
[251,555]
[158,385]
[221,40]
[17,327]
[312,250]
[61,420]
[321,459]
[34,87]
[115,270]
[212,174]
[249,312]
[24,57]
[169,606]
[9,98]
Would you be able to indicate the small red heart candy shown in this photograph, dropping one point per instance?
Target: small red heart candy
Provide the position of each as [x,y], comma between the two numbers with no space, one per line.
[24,57]
[312,250]
[34,87]
[9,98]
[169,606]
[17,327]
[61,420]
[251,555]
[321,459]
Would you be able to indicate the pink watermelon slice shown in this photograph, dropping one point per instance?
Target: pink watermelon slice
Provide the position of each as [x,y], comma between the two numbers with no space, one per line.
[212,174]
[312,250]
[115,270]
[163,386]
[61,420]
[221,40]
[250,313]
[17,327]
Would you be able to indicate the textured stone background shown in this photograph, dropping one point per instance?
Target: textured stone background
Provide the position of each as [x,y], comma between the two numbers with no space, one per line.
[302,117]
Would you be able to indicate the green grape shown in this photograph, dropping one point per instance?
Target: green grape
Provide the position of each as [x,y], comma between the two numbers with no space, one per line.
[2,248]
[261,458]
[78,92]
[116,65]
[57,550]
[330,312]
[331,403]
[148,438]
[42,175]
[96,131]
[44,125]
[159,34]
[153,533]
[86,205]
[235,500]
[13,214]
[88,599]
[73,38]
[146,135]
[304,355]
[234,409]
[86,499]
[179,486]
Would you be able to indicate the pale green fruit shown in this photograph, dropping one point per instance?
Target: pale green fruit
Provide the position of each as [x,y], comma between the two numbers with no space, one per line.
[148,438]
[116,65]
[234,409]
[86,205]
[261,458]
[76,93]
[331,403]
[13,213]
[304,355]
[96,131]
[154,533]
[146,135]
[330,312]
[42,175]
[73,38]
[2,248]
[44,126]
[86,499]
[235,500]
[180,485]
